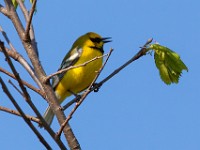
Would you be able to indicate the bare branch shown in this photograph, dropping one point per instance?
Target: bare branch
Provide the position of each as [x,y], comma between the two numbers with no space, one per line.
[14,71]
[75,100]
[15,55]
[28,99]
[42,140]
[25,93]
[15,87]
[83,96]
[72,67]
[24,82]
[7,39]
[54,104]
[28,26]
[23,9]
[137,56]
[14,112]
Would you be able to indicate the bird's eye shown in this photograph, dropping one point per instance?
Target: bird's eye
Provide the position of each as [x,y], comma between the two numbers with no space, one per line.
[96,40]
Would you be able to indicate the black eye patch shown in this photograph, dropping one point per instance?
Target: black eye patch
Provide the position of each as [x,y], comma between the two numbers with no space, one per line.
[96,40]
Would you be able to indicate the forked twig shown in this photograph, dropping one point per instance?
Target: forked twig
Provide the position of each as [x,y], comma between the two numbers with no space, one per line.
[24,82]
[28,18]
[15,55]
[28,25]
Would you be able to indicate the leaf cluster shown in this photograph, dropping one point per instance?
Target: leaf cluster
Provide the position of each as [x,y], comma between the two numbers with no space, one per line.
[168,62]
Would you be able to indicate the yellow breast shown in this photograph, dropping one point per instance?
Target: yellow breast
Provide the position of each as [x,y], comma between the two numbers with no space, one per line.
[78,79]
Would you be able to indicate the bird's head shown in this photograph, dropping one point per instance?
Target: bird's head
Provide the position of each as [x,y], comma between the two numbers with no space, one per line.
[93,40]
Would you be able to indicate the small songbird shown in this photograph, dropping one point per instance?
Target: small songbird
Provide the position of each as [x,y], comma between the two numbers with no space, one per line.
[85,48]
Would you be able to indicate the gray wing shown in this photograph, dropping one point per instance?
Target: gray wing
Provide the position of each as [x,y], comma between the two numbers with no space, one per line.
[70,59]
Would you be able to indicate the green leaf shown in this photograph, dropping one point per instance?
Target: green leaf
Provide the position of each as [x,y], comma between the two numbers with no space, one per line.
[168,63]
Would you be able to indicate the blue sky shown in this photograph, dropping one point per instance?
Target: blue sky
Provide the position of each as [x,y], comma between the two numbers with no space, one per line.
[135,109]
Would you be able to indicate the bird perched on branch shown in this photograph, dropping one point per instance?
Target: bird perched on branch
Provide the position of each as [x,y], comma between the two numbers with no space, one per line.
[85,48]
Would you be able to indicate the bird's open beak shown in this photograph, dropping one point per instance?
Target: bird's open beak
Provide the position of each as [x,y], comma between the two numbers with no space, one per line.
[106,39]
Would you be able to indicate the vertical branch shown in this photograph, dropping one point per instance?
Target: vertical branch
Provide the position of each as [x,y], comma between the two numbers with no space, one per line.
[54,104]
[29,33]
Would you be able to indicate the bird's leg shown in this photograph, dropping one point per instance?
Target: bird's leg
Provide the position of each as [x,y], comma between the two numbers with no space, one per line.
[95,87]
[75,100]
[77,96]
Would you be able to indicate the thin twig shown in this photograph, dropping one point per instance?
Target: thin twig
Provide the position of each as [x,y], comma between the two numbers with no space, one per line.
[6,38]
[83,96]
[28,100]
[74,100]
[24,82]
[137,56]
[28,25]
[23,9]
[13,54]
[16,88]
[72,67]
[14,112]
[42,140]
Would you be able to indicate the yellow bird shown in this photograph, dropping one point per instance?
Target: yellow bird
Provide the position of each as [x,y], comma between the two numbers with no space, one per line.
[85,48]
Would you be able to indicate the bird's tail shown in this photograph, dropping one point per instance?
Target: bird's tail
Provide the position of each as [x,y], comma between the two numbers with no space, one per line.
[48,115]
